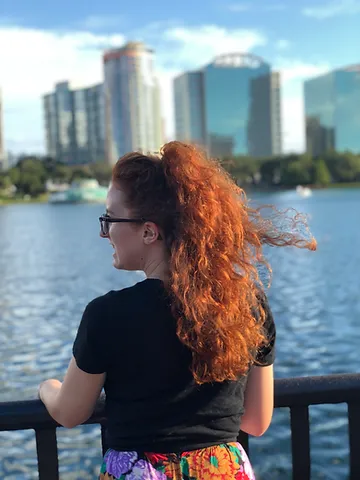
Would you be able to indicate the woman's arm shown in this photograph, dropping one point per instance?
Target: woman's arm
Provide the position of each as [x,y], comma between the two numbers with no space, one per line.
[259,401]
[72,402]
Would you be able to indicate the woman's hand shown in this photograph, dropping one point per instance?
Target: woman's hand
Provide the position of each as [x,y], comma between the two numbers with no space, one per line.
[72,402]
[48,390]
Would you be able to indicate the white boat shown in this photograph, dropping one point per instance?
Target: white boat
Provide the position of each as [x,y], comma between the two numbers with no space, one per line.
[83,191]
[58,197]
[303,191]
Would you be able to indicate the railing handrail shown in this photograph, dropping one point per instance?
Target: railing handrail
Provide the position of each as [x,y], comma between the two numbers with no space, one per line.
[316,390]
[295,393]
[289,392]
[26,414]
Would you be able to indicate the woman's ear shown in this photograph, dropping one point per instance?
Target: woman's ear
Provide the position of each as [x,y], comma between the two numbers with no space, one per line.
[150,233]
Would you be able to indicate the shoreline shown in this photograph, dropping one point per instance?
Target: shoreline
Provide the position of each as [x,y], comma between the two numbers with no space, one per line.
[4,201]
[45,197]
[284,188]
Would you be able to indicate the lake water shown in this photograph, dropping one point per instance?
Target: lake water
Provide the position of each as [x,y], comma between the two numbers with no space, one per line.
[52,262]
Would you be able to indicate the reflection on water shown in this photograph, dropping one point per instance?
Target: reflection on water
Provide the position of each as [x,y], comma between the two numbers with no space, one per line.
[52,262]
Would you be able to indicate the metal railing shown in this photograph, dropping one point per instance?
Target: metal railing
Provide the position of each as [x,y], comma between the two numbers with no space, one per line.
[295,393]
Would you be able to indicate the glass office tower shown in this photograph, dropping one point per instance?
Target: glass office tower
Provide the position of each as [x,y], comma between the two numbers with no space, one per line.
[332,111]
[233,104]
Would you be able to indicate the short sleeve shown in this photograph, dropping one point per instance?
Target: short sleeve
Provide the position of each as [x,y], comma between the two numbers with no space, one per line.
[266,353]
[88,349]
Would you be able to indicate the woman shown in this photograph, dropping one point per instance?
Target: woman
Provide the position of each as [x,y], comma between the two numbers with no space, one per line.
[185,356]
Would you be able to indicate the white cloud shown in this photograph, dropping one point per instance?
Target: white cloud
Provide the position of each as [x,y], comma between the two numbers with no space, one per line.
[47,57]
[36,60]
[293,73]
[293,126]
[7,20]
[332,9]
[282,44]
[240,7]
[101,22]
[295,70]
[193,47]
[246,7]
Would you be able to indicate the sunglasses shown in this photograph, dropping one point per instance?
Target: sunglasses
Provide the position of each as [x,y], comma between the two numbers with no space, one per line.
[105,221]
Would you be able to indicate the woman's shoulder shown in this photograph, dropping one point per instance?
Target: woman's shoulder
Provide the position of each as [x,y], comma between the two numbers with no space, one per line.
[125,295]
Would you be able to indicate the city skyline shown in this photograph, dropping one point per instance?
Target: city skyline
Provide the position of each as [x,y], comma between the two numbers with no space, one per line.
[65,42]
[313,123]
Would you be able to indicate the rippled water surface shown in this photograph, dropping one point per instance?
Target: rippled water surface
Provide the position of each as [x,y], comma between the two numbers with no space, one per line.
[52,262]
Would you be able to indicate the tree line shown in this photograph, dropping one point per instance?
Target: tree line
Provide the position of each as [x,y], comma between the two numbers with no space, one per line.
[292,170]
[30,174]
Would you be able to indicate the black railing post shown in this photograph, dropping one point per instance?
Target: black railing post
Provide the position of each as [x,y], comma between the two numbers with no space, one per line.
[354,439]
[243,439]
[104,445]
[300,442]
[47,453]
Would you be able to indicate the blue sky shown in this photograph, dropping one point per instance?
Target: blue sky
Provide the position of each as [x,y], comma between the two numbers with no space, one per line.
[44,42]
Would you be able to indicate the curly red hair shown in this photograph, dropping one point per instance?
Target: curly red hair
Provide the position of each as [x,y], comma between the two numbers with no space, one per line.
[215,244]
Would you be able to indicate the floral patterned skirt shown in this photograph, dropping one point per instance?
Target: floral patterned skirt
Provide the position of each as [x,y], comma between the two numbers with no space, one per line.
[220,462]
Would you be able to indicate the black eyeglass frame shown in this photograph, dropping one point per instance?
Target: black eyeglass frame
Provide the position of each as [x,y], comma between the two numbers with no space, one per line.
[105,219]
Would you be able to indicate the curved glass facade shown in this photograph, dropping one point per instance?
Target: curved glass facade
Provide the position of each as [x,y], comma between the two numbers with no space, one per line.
[232,106]
[347,114]
[332,112]
[320,114]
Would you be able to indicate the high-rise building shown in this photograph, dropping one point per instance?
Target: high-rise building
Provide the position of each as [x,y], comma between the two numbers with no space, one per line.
[332,111]
[132,101]
[59,124]
[264,120]
[231,106]
[189,108]
[3,160]
[89,119]
[74,124]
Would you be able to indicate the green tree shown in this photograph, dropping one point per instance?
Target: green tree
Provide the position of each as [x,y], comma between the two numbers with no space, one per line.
[102,172]
[269,170]
[321,173]
[343,167]
[5,181]
[61,173]
[80,173]
[14,174]
[29,176]
[50,165]
[31,184]
[296,170]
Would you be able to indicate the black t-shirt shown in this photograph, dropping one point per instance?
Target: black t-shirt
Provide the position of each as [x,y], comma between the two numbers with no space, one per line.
[152,402]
